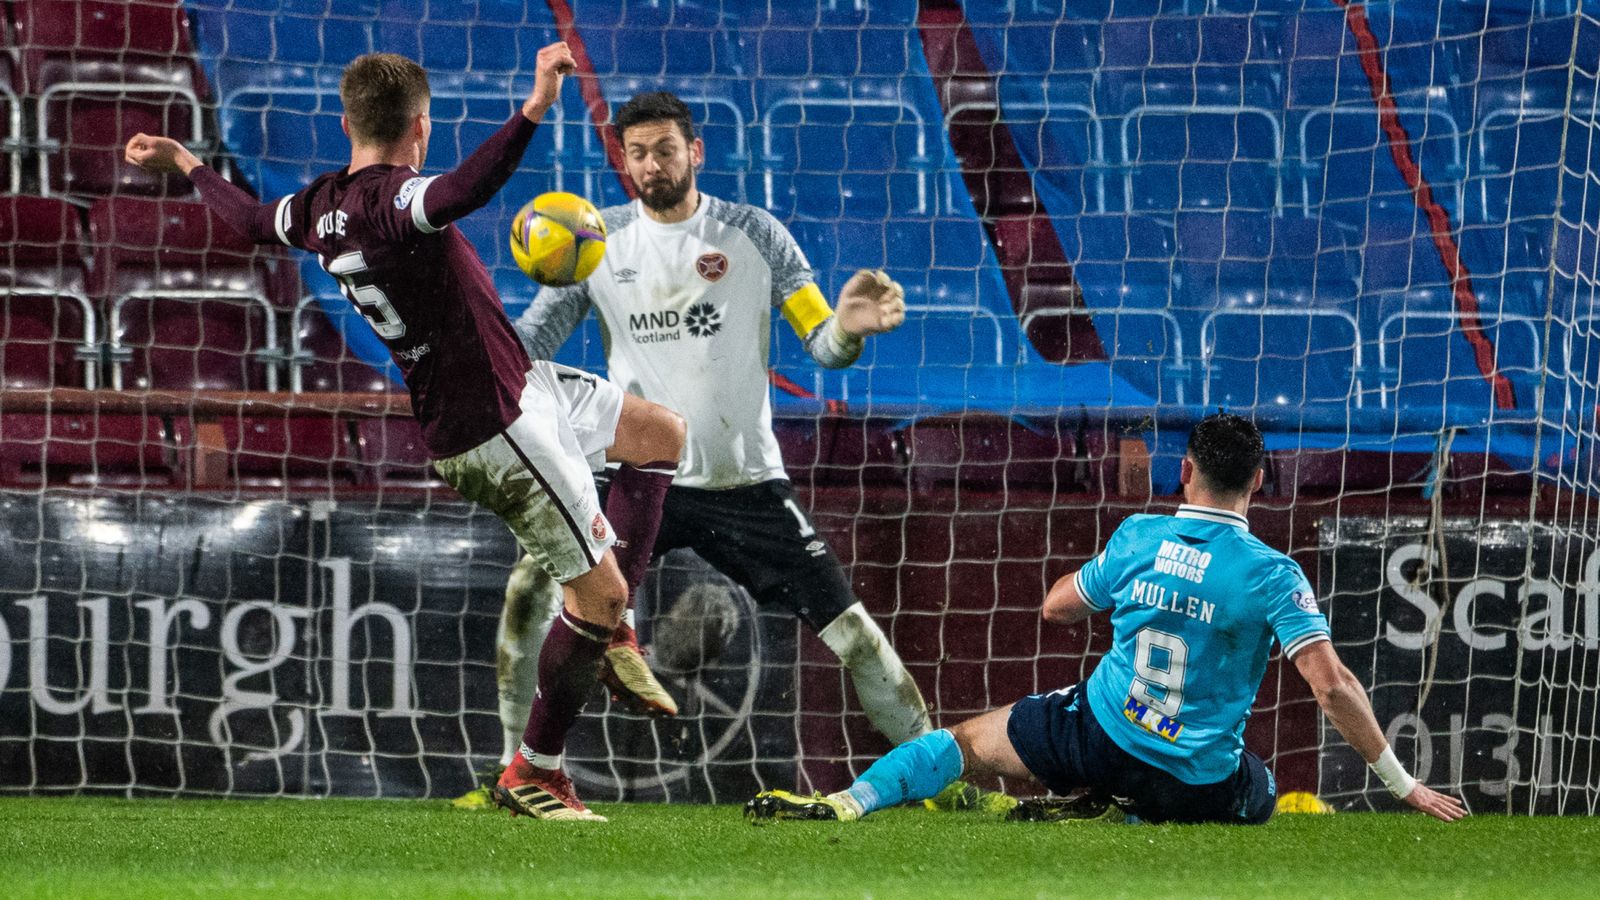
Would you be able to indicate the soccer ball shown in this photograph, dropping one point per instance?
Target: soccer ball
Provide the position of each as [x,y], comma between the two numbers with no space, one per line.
[558,239]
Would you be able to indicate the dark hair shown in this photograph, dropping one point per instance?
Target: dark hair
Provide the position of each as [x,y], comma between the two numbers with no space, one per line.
[655,107]
[1228,451]
[381,93]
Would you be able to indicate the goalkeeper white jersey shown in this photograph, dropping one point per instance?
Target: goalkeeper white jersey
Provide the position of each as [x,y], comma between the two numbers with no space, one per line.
[686,313]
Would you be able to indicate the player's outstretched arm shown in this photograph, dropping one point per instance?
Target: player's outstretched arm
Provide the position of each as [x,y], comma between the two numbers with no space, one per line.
[551,318]
[1345,701]
[163,155]
[484,172]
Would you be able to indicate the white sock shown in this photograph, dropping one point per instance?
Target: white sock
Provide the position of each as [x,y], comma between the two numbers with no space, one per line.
[533,600]
[886,690]
[850,803]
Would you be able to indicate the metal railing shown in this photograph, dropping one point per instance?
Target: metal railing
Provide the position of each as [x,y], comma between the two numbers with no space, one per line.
[767,126]
[271,356]
[48,145]
[88,349]
[1534,324]
[1097,162]
[1208,341]
[1174,364]
[1179,109]
[1307,163]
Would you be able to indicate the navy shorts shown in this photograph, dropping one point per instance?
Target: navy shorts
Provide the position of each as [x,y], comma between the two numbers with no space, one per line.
[1063,745]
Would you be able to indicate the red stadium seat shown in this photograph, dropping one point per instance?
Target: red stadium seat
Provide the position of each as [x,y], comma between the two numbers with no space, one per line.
[277,451]
[186,299]
[320,359]
[92,450]
[47,326]
[392,452]
[102,72]
[996,454]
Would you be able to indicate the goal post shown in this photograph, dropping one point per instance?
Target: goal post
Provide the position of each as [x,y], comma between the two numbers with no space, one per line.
[1372,227]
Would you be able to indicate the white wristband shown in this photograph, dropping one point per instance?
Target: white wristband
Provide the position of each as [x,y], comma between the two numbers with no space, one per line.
[1394,776]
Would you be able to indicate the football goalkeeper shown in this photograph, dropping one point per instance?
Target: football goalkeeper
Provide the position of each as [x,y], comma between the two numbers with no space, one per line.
[686,294]
[1158,728]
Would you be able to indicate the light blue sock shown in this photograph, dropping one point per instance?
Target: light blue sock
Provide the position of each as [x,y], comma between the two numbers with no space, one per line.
[915,770]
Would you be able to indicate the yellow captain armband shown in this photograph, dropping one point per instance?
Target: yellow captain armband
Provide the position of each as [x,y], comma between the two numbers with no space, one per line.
[806,309]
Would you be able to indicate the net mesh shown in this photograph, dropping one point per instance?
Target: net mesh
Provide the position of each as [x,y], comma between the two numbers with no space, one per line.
[1370,226]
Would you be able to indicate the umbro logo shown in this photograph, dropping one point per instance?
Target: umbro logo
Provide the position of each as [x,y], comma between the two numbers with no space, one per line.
[626,276]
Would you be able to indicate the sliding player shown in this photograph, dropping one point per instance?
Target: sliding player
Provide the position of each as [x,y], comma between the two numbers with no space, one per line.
[514,436]
[686,294]
[1158,728]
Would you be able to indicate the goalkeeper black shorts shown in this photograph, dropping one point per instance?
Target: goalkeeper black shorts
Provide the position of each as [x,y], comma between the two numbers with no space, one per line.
[759,536]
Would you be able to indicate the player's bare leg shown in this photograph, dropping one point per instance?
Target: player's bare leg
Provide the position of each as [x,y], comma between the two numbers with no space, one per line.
[649,442]
[534,784]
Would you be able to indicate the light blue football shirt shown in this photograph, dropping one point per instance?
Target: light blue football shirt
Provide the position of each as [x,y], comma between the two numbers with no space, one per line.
[1195,604]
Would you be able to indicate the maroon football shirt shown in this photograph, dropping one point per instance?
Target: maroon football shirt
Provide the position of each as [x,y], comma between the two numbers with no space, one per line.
[424,291]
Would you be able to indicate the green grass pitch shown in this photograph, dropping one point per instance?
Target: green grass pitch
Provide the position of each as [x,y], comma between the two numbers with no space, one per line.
[87,847]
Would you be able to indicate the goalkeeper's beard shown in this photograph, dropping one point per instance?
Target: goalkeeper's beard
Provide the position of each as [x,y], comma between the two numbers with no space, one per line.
[665,194]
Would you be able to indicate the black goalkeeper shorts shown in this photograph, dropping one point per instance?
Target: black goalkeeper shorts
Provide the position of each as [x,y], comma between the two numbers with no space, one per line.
[759,536]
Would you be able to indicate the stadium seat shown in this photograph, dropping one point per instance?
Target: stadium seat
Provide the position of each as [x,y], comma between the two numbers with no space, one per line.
[1122,259]
[1178,156]
[835,450]
[102,72]
[186,300]
[320,360]
[989,453]
[13,134]
[1517,147]
[851,149]
[48,328]
[391,453]
[1261,355]
[302,452]
[88,449]
[672,39]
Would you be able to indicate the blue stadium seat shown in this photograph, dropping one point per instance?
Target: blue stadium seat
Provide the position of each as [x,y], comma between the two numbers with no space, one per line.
[1344,158]
[664,39]
[1398,258]
[1313,262]
[1222,258]
[1276,356]
[1180,157]
[1121,259]
[1428,363]
[1516,152]
[848,149]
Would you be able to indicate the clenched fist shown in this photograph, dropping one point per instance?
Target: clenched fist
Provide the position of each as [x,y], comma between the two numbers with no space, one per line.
[553,62]
[871,303]
[159,154]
